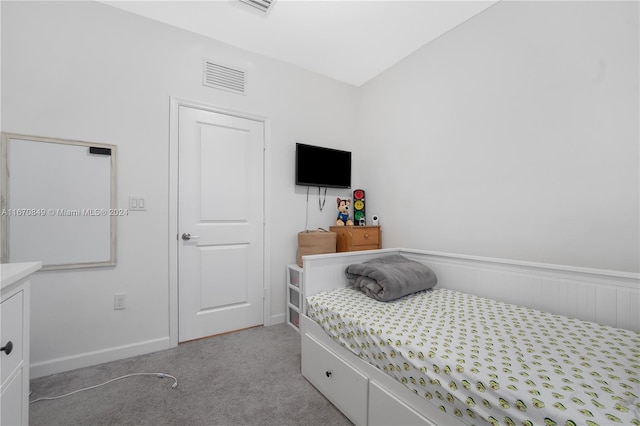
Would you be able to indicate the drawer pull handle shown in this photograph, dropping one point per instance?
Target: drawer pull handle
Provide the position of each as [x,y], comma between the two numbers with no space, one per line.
[328,373]
[366,235]
[7,348]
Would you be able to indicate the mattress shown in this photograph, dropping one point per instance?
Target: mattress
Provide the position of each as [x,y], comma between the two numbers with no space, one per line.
[485,361]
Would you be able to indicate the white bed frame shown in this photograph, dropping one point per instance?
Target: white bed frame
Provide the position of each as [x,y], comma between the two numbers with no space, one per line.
[369,397]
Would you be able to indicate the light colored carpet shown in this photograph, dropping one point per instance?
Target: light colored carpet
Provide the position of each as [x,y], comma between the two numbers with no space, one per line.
[250,377]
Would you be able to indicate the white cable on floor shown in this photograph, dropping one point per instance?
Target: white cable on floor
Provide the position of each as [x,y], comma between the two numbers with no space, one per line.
[160,375]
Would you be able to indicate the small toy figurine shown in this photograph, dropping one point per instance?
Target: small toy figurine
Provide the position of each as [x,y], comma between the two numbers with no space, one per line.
[343,212]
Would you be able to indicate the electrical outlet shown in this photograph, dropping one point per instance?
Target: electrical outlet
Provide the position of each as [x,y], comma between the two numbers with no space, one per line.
[118,301]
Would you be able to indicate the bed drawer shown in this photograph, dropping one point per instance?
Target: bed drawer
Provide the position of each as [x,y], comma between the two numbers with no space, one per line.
[340,383]
[386,409]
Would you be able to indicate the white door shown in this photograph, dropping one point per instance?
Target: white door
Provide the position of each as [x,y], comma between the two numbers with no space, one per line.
[220,223]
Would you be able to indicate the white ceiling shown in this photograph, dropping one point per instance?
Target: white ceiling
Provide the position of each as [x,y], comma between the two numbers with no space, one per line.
[348,40]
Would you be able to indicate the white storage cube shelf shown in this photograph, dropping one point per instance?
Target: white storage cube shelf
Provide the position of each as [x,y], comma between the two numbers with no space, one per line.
[294,296]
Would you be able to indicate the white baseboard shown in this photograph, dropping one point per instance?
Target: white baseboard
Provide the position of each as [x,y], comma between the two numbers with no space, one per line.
[45,368]
[277,319]
[87,359]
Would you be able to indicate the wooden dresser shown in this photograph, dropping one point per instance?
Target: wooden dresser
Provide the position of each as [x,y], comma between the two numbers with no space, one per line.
[354,238]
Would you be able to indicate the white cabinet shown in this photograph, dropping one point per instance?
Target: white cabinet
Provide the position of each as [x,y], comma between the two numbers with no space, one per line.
[14,342]
[294,296]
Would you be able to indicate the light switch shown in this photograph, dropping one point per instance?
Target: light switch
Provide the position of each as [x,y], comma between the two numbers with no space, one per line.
[136,203]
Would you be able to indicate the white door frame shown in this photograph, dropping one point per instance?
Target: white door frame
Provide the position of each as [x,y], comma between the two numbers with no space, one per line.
[176,103]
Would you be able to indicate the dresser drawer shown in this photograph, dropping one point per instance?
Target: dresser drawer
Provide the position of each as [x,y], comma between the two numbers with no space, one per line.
[12,331]
[365,237]
[345,387]
[356,238]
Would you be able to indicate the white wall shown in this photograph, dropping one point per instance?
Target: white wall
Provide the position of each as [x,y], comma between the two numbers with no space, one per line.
[515,136]
[86,71]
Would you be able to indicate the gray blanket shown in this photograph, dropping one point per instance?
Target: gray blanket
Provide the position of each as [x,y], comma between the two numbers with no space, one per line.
[390,277]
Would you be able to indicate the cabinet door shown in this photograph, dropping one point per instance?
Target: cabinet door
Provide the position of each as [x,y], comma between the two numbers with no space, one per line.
[11,401]
[12,331]
[343,238]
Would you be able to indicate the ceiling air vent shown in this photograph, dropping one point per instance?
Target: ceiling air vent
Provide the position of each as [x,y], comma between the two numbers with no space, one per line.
[224,77]
[262,5]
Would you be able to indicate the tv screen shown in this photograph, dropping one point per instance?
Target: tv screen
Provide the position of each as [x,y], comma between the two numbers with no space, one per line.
[318,166]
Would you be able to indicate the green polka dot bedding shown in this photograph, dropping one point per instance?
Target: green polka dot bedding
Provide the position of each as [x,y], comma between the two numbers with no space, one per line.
[485,361]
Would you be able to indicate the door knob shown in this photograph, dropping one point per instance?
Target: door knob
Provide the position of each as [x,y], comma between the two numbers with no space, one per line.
[187,236]
[7,348]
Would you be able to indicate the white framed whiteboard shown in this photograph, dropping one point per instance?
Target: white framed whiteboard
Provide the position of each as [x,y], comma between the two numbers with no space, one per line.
[58,202]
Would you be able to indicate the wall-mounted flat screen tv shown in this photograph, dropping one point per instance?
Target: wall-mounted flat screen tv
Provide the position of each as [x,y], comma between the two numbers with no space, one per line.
[319,166]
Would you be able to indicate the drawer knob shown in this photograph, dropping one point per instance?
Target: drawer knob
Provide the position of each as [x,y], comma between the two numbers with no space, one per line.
[328,373]
[7,348]
[366,235]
